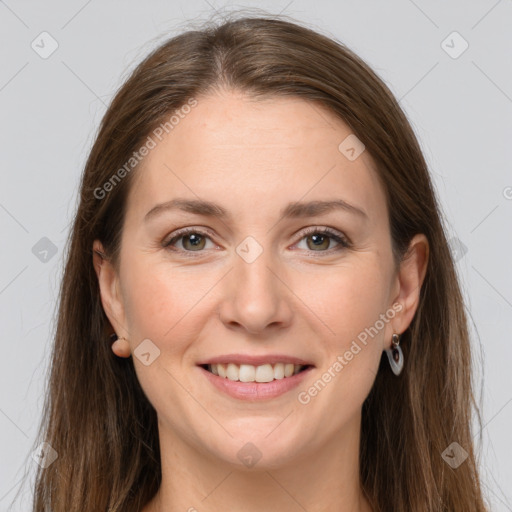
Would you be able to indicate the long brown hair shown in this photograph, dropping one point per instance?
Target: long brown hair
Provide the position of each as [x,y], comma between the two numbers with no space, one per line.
[97,417]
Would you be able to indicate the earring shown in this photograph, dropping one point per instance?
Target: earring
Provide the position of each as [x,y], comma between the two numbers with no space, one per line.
[395,355]
[120,346]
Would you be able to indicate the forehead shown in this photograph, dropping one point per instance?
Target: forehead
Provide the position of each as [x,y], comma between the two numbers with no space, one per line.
[255,153]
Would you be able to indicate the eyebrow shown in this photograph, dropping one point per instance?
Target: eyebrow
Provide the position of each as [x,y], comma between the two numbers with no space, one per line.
[292,210]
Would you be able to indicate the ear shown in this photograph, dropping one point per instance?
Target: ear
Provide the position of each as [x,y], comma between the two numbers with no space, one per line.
[111,298]
[409,280]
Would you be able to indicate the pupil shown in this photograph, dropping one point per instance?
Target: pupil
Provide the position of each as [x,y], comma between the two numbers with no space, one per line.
[319,241]
[194,239]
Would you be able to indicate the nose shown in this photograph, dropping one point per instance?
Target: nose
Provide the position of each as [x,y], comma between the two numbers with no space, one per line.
[256,297]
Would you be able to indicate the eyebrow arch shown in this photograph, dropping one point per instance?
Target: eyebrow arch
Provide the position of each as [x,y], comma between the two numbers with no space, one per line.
[292,210]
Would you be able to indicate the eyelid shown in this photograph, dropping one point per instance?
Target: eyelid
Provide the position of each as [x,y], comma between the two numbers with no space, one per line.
[333,233]
[176,235]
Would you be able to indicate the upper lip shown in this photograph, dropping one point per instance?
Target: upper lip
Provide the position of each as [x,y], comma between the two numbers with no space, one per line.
[254,360]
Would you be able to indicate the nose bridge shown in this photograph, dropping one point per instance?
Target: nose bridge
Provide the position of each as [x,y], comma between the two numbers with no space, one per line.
[252,268]
[256,296]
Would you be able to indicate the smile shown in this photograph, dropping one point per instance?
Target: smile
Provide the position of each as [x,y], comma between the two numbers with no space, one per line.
[252,373]
[275,379]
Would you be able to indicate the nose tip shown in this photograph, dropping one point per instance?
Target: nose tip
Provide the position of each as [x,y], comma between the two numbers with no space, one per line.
[255,299]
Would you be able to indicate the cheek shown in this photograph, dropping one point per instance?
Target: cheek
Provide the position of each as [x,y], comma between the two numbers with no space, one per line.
[346,299]
[154,301]
[349,302]
[165,304]
[159,306]
[352,346]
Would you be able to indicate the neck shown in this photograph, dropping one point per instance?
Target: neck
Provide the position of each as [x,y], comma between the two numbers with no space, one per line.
[323,478]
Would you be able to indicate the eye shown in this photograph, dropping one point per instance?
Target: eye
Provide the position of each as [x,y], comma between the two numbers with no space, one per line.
[318,239]
[194,240]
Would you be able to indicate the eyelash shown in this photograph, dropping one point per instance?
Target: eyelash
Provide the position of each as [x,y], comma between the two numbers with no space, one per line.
[342,241]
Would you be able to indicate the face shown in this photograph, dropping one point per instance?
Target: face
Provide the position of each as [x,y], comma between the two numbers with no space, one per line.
[267,282]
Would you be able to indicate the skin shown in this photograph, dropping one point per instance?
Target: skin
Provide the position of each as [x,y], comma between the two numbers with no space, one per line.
[253,158]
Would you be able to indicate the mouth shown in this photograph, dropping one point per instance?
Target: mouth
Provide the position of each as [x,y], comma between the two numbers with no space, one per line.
[255,383]
[249,373]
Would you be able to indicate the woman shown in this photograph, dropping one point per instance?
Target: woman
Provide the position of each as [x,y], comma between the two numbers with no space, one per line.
[259,309]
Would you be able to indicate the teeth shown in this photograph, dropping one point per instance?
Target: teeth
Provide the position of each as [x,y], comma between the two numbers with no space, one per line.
[264,373]
[279,370]
[221,369]
[247,373]
[232,372]
[250,373]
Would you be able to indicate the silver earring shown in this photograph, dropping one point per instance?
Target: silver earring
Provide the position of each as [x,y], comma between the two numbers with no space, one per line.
[395,355]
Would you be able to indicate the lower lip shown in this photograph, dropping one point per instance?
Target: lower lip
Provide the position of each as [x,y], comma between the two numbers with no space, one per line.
[256,390]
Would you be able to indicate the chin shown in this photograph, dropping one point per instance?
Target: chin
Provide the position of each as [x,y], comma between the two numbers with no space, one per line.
[258,447]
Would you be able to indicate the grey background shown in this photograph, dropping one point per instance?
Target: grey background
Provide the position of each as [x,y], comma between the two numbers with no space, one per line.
[460,109]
